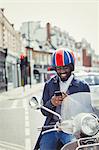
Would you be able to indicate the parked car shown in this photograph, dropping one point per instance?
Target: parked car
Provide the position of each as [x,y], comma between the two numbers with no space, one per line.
[92,78]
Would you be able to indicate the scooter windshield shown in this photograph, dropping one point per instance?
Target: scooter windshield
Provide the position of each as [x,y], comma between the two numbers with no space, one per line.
[76,103]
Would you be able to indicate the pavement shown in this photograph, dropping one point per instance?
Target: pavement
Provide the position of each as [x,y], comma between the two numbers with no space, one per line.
[21,92]
[16,94]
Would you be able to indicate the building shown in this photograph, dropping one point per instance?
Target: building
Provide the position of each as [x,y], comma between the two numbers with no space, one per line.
[86,57]
[3,79]
[42,60]
[43,39]
[10,40]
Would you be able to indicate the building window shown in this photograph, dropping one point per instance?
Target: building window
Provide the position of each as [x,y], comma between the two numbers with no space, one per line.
[10,76]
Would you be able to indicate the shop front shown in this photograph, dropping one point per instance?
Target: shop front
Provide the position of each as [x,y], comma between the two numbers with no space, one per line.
[3,78]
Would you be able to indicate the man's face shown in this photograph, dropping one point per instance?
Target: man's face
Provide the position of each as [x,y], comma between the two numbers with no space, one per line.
[63,72]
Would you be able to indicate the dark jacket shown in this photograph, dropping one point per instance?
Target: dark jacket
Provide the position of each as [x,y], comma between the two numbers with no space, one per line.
[50,87]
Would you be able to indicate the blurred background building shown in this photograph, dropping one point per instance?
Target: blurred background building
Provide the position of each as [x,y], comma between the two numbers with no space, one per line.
[25,55]
[11,41]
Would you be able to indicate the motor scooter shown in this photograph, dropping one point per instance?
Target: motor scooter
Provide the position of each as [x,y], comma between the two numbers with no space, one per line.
[81,121]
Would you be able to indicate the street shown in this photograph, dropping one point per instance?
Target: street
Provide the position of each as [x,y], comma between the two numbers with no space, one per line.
[18,130]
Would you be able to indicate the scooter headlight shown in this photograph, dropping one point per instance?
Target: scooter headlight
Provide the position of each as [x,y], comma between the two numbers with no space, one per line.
[89,125]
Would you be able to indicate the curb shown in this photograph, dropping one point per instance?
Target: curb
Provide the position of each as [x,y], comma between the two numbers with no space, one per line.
[21,92]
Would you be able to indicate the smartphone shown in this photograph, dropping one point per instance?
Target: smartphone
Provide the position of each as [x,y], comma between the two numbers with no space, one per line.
[58,93]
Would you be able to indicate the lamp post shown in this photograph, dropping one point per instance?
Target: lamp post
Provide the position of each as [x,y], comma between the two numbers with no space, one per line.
[29,49]
[6,80]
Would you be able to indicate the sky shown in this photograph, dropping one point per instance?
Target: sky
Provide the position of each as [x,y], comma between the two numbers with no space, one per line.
[80,18]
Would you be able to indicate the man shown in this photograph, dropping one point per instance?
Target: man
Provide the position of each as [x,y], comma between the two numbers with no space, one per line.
[63,63]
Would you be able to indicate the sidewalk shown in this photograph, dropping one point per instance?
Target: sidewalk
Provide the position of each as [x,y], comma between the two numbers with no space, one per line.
[21,92]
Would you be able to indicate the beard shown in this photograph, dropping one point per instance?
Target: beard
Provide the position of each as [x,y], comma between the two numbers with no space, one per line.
[64,76]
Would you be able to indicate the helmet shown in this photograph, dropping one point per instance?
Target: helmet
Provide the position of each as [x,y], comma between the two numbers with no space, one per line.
[63,57]
[72,53]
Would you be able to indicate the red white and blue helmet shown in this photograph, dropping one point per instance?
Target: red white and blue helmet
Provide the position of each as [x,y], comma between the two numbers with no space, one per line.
[63,57]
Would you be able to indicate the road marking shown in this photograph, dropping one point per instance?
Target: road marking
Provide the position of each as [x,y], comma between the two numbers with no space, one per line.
[27,131]
[24,101]
[26,112]
[27,144]
[27,126]
[8,108]
[12,146]
[26,118]
[26,108]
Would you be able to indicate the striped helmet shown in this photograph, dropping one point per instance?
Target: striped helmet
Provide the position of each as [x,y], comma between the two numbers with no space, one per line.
[62,57]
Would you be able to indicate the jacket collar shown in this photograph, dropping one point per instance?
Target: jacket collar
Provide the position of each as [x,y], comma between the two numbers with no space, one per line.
[56,79]
[74,81]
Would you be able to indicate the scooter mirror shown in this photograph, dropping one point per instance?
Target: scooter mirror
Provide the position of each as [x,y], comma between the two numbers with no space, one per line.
[34,103]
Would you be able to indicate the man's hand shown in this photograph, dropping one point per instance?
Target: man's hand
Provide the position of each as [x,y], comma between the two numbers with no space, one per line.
[57,100]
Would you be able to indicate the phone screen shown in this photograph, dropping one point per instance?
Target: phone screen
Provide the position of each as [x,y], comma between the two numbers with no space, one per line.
[58,93]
